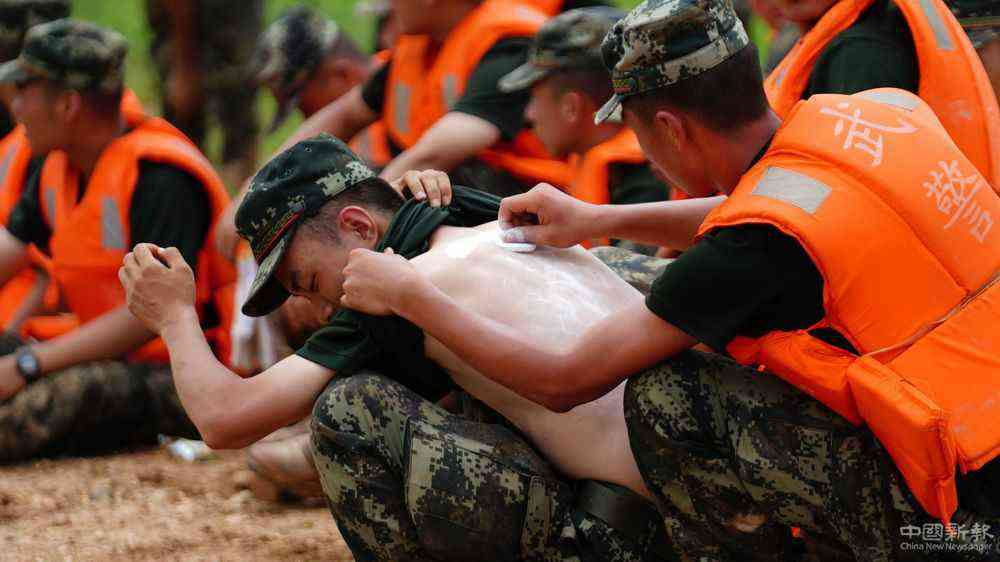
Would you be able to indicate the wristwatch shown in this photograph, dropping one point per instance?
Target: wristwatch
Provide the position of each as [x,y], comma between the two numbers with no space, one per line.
[27,364]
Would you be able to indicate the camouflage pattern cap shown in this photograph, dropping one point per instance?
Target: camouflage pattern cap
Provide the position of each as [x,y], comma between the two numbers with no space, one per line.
[662,42]
[77,54]
[17,16]
[571,40]
[291,187]
[289,51]
[979,18]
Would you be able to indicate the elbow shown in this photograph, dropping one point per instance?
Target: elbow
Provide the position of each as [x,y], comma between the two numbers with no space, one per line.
[559,395]
[220,431]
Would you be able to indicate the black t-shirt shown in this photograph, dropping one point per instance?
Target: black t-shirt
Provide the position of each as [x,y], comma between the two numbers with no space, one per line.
[482,96]
[169,208]
[877,51]
[635,183]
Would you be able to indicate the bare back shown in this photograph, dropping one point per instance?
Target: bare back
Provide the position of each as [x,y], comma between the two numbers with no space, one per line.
[551,296]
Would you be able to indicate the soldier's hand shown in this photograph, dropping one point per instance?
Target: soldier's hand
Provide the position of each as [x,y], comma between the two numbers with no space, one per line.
[378,284]
[159,285]
[432,185]
[546,216]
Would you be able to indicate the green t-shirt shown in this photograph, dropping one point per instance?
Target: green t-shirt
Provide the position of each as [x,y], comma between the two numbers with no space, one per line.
[877,51]
[394,347]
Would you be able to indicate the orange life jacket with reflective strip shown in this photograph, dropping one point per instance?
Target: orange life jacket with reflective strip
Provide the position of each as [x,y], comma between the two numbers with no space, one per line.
[952,79]
[15,155]
[900,225]
[90,237]
[372,143]
[423,86]
[592,171]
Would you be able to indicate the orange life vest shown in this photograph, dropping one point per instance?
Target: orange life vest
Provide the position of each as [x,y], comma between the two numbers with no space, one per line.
[952,79]
[592,171]
[372,144]
[899,224]
[15,155]
[90,237]
[423,85]
[550,7]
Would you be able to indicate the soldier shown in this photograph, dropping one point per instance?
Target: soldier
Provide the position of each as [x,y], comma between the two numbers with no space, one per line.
[202,49]
[568,83]
[308,63]
[840,418]
[849,46]
[110,179]
[404,478]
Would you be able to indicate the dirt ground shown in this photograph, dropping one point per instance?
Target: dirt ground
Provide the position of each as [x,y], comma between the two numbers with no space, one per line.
[151,506]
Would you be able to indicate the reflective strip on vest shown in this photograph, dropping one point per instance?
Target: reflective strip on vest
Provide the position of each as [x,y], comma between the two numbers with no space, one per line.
[890,97]
[5,165]
[112,229]
[450,90]
[50,205]
[402,108]
[944,41]
[793,188]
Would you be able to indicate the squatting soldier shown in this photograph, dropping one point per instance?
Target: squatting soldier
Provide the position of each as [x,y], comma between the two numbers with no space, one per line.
[110,179]
[405,479]
[568,83]
[861,300]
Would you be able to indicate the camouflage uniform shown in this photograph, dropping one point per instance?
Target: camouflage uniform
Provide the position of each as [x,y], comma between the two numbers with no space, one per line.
[407,480]
[101,405]
[226,31]
[734,456]
[91,408]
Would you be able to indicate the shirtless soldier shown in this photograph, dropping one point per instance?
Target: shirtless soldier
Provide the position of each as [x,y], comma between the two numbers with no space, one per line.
[406,479]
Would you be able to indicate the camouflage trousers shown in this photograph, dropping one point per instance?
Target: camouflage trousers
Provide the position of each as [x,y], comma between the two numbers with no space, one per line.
[92,408]
[226,33]
[737,457]
[406,480]
[636,269]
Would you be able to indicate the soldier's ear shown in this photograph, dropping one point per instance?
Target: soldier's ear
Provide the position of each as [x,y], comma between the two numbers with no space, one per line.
[571,106]
[356,223]
[70,104]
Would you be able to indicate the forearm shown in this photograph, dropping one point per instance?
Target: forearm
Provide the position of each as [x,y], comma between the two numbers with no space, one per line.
[13,256]
[229,411]
[673,224]
[455,138]
[110,336]
[343,118]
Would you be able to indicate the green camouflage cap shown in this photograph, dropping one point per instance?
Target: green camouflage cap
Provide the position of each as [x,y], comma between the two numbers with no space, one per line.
[289,52]
[17,16]
[662,42]
[291,187]
[77,54]
[979,18]
[571,40]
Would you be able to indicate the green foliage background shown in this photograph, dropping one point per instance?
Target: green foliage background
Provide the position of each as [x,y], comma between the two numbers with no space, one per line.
[129,18]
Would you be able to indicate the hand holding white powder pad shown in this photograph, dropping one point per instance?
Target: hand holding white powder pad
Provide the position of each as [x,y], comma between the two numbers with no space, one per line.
[519,247]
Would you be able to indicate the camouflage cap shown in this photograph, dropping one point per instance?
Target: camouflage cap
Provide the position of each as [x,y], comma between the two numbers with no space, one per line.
[979,18]
[288,53]
[662,42]
[291,187]
[76,54]
[17,16]
[571,40]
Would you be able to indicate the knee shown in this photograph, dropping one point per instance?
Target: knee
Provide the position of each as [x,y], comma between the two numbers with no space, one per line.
[347,404]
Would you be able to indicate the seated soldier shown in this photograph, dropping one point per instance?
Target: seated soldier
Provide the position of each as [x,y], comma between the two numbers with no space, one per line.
[110,179]
[406,479]
[568,82]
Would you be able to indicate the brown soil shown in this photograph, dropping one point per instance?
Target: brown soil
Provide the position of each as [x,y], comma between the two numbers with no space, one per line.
[151,506]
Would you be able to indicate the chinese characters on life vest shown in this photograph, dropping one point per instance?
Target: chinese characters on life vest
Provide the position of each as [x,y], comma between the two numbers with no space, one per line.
[954,192]
[864,135]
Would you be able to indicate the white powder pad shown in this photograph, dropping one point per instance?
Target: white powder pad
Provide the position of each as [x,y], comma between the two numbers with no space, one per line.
[520,247]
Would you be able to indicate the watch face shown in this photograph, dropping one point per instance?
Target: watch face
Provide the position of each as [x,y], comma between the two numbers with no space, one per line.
[27,364]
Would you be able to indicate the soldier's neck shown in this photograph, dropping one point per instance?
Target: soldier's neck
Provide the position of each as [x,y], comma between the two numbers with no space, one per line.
[91,141]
